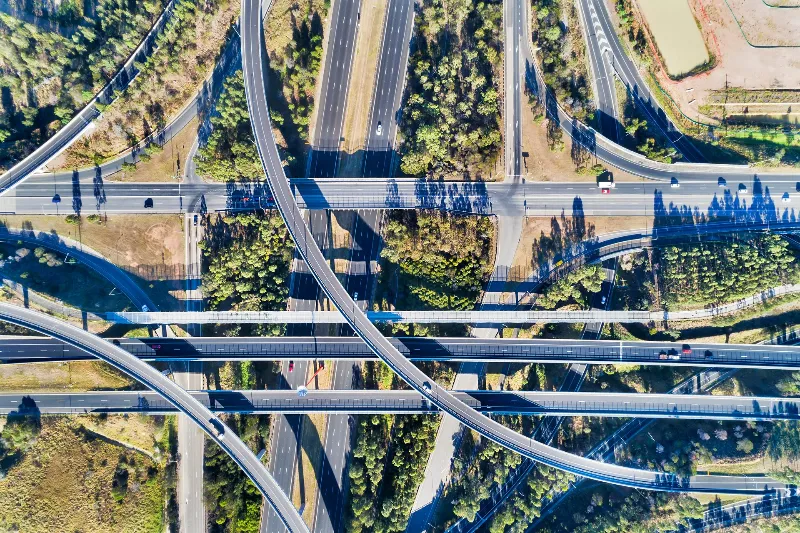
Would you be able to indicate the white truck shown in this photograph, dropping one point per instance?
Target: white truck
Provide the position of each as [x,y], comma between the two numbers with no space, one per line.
[605,182]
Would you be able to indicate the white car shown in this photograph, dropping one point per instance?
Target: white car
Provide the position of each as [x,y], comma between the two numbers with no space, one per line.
[379,129]
[674,183]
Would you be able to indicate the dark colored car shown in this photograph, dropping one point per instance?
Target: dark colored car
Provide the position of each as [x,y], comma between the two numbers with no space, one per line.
[707,354]
[148,204]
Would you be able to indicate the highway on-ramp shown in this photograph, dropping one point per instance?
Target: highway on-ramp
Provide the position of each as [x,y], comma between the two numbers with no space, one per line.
[253,50]
[168,389]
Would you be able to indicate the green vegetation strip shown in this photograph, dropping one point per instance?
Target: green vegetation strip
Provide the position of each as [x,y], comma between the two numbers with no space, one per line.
[451,117]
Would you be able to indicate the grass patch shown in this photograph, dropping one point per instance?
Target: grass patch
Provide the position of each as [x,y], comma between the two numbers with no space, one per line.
[61,376]
[165,165]
[304,491]
[64,483]
[46,273]
[144,432]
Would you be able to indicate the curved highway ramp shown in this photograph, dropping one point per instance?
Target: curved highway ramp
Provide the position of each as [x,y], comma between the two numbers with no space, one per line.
[253,62]
[167,389]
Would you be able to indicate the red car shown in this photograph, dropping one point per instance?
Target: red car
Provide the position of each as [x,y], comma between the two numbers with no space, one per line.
[605,191]
[291,366]
[687,350]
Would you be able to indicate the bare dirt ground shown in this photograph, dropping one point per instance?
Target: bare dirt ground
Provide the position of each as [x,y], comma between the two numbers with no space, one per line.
[175,84]
[741,64]
[362,84]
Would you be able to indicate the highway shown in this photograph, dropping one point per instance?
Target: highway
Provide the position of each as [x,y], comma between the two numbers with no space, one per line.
[253,49]
[284,442]
[82,120]
[724,516]
[526,403]
[517,30]
[379,146]
[605,92]
[763,200]
[466,349]
[361,269]
[170,391]
[339,51]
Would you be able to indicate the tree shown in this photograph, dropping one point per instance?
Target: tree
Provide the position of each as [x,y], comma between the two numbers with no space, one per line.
[744,445]
[230,153]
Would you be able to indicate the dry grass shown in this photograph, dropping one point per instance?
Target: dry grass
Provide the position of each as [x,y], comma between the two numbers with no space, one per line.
[143,432]
[543,164]
[362,84]
[312,449]
[165,165]
[757,465]
[127,240]
[534,227]
[312,443]
[64,484]
[723,499]
[61,376]
[178,82]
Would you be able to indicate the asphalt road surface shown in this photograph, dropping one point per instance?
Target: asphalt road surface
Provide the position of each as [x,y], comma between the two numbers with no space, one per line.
[382,125]
[175,395]
[253,49]
[303,349]
[341,45]
[769,196]
[529,403]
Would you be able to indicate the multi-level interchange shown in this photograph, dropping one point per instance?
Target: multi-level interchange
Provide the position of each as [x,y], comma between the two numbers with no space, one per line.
[623,201]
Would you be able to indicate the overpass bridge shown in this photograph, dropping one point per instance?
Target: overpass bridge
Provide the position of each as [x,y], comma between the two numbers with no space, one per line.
[529,403]
[763,356]
[444,316]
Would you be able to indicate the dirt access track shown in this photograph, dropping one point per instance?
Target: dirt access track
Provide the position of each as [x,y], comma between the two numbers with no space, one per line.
[741,63]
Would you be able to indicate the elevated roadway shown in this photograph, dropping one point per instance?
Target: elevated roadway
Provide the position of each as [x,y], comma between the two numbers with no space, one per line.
[446,317]
[253,49]
[172,393]
[528,403]
[703,195]
[467,349]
